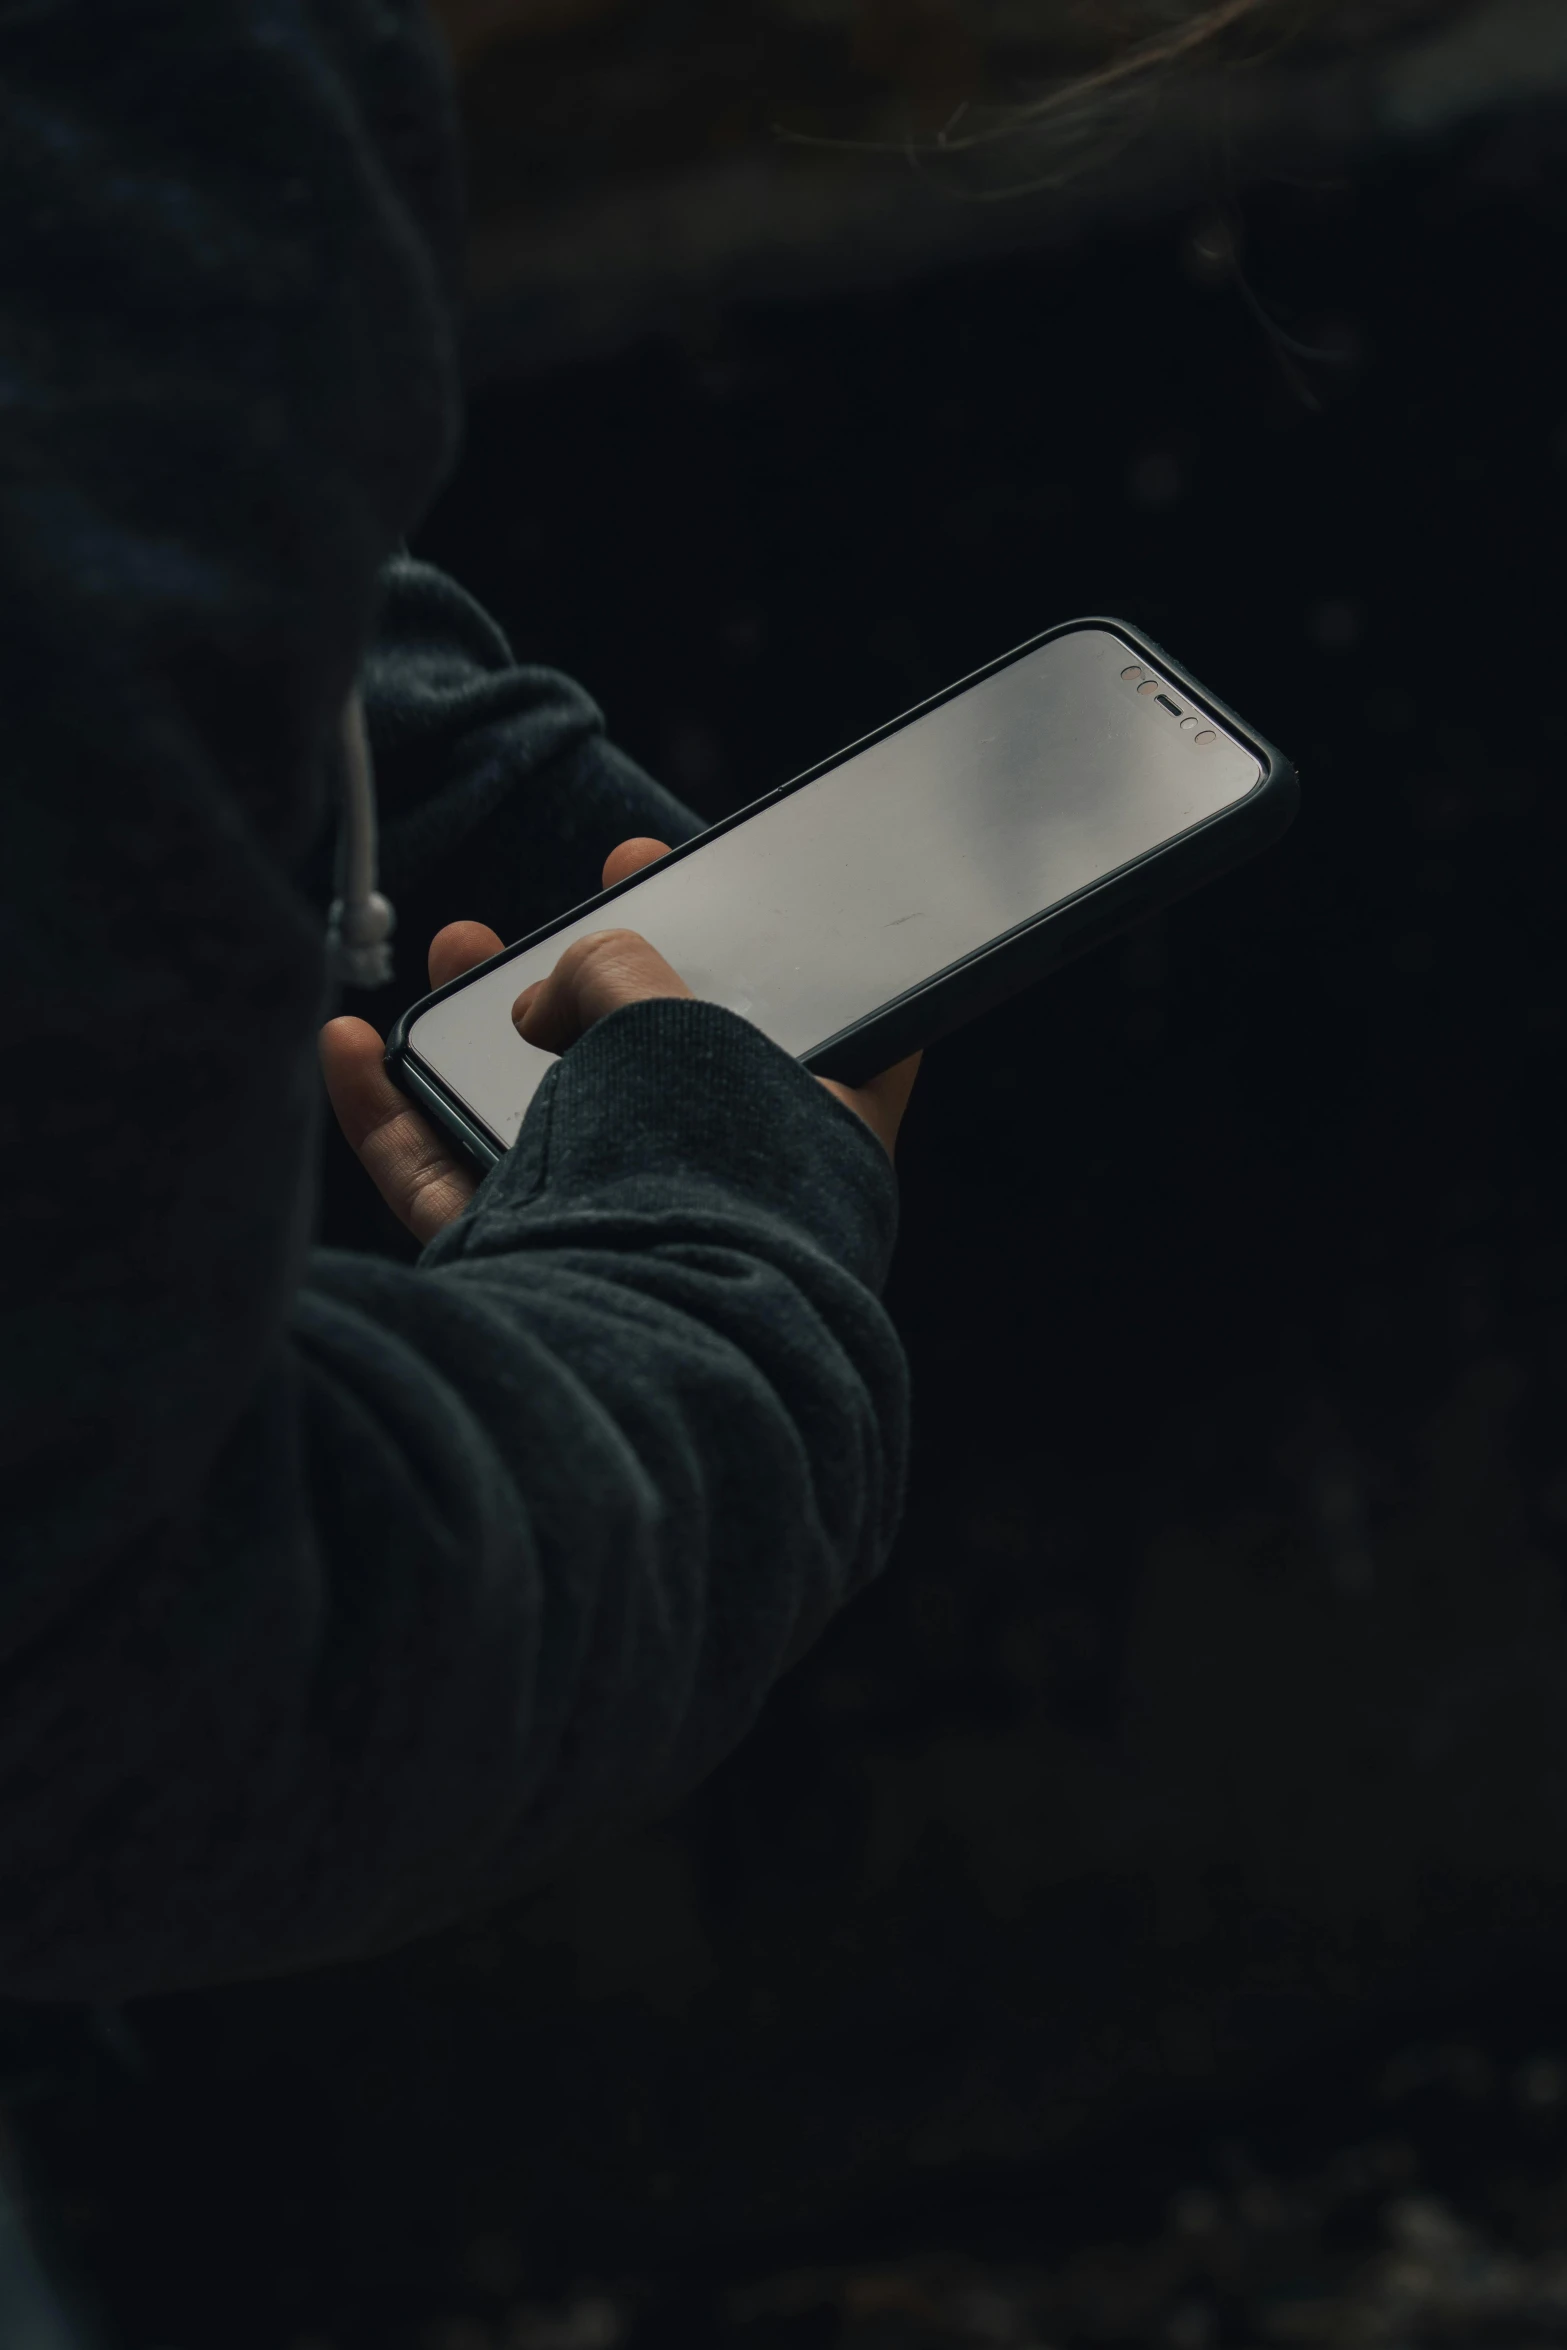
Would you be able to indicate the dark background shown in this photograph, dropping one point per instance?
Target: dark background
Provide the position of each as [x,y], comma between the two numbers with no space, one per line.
[1186,1811]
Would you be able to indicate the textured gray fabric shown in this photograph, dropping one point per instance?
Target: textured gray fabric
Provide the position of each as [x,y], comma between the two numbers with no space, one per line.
[338,1596]
[499,793]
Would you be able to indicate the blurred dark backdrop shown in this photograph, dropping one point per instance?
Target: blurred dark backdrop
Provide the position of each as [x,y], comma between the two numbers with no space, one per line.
[1209,1728]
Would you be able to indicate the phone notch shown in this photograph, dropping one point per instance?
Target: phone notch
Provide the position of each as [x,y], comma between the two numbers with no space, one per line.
[1143,681]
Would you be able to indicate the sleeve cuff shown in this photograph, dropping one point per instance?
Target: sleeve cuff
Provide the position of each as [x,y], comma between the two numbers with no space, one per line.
[676,1103]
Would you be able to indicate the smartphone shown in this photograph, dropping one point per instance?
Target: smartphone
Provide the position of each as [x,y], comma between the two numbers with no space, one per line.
[911,882]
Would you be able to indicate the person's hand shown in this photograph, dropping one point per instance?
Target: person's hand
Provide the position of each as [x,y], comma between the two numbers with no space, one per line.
[609,968]
[420,1176]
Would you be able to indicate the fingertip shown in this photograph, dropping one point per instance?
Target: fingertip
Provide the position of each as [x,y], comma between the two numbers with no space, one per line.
[460,948]
[347,1037]
[629,856]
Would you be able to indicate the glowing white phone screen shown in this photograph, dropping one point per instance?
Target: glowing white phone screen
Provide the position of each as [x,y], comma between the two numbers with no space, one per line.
[899,862]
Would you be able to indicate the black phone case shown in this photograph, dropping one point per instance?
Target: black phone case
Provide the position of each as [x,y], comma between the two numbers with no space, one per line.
[994,972]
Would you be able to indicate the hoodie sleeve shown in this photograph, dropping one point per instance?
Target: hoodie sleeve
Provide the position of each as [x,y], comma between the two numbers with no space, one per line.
[337,1597]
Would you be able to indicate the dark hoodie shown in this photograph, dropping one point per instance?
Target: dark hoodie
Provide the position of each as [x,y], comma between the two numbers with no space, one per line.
[339,1597]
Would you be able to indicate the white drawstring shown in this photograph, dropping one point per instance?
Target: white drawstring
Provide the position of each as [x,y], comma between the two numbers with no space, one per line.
[361,922]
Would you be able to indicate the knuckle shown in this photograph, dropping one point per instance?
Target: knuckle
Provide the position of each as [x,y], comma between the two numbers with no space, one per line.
[593,949]
[608,945]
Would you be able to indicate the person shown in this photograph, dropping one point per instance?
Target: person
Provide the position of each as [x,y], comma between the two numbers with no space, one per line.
[342,1596]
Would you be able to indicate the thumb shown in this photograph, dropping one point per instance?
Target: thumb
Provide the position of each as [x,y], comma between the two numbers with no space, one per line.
[595,975]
